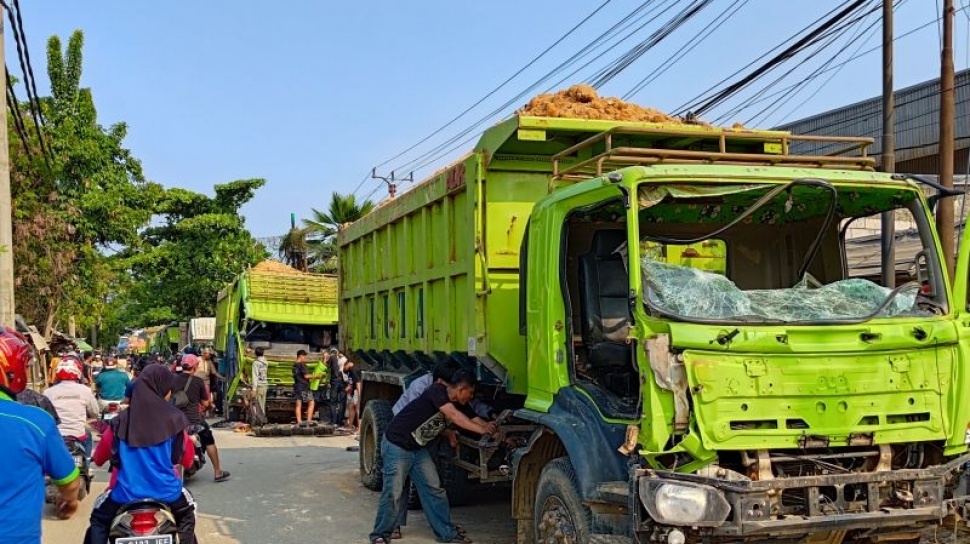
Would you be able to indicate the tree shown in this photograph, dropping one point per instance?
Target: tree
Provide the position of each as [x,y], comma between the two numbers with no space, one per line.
[323,227]
[294,248]
[199,247]
[89,195]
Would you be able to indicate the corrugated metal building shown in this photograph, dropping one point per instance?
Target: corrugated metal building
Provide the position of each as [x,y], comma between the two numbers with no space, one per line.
[917,126]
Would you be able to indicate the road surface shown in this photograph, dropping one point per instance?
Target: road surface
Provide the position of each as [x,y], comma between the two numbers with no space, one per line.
[295,490]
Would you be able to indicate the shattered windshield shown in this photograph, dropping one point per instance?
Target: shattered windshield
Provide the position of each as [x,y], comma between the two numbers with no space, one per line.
[777,253]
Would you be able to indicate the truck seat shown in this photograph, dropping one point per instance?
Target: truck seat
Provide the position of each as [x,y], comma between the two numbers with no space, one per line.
[605,307]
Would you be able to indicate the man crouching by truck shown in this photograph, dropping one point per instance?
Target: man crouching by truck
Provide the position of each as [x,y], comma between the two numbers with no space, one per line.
[405,455]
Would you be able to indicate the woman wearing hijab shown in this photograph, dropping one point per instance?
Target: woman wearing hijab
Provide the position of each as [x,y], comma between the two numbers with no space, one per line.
[144,445]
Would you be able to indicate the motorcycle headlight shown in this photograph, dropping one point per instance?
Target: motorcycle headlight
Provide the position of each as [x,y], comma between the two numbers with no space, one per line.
[684,504]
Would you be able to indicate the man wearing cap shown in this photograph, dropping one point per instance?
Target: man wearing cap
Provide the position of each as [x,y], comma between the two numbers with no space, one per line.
[198,400]
[111,383]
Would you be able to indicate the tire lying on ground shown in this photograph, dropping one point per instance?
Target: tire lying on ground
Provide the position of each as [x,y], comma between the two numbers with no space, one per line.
[377,414]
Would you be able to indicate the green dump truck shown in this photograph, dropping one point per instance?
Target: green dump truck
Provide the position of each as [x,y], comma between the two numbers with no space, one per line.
[281,310]
[665,317]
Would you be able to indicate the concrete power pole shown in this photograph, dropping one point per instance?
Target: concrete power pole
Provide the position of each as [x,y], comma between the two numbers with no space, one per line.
[7,309]
[945,213]
[888,153]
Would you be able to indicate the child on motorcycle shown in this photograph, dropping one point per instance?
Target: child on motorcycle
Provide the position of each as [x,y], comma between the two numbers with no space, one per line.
[144,445]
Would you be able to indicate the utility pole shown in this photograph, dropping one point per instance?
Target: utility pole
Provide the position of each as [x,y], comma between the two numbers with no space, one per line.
[7,309]
[944,213]
[888,154]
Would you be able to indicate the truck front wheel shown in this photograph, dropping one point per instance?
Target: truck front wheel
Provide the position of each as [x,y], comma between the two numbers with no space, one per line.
[377,414]
[560,516]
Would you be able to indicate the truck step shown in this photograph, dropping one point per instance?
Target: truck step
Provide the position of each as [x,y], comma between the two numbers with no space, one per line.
[612,493]
[609,539]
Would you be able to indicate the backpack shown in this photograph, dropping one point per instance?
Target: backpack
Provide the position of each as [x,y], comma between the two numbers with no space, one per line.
[180,398]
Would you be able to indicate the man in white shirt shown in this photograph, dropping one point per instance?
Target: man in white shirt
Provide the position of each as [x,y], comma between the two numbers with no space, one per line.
[74,402]
[260,381]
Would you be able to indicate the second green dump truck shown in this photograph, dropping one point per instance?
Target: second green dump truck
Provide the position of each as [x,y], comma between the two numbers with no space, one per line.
[666,319]
[281,310]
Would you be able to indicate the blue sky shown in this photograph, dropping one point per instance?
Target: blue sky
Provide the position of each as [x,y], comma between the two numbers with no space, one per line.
[311,94]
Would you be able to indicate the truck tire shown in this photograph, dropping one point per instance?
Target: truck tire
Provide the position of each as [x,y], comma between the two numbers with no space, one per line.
[377,414]
[559,513]
[455,481]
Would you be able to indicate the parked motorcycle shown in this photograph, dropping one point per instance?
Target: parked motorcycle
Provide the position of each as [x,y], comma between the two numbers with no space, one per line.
[145,521]
[83,466]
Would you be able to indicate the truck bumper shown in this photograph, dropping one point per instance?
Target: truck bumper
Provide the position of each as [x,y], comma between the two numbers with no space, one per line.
[870,502]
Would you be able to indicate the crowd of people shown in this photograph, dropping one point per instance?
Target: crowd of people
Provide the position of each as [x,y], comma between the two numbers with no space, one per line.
[165,403]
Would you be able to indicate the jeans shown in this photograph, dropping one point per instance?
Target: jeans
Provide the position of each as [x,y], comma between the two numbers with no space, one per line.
[103,514]
[399,464]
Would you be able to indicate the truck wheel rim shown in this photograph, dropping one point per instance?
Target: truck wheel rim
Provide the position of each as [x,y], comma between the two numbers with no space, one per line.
[556,525]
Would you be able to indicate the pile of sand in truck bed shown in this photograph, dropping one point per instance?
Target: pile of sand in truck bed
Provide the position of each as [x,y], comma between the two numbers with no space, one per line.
[582,102]
[277,267]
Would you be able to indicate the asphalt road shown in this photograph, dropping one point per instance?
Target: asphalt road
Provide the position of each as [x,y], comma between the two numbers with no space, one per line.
[296,490]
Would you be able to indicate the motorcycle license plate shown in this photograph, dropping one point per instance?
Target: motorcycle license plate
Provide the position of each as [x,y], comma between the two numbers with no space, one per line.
[110,416]
[78,461]
[158,539]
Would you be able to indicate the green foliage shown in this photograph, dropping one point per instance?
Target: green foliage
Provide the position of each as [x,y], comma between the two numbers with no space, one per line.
[320,230]
[94,239]
[199,247]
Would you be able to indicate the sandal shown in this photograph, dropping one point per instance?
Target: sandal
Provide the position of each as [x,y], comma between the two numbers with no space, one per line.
[223,477]
[396,534]
[460,531]
[378,540]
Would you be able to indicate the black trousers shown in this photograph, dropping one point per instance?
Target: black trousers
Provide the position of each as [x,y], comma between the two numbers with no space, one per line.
[103,514]
[338,403]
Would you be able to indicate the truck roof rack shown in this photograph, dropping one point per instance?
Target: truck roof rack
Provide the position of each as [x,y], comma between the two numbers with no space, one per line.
[610,150]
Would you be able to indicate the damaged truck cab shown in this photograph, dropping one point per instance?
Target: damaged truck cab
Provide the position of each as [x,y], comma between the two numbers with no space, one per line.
[707,350]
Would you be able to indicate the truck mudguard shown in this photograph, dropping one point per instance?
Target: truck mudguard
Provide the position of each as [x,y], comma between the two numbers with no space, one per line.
[590,441]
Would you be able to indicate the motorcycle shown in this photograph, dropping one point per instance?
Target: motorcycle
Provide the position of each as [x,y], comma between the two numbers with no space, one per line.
[199,461]
[145,521]
[83,465]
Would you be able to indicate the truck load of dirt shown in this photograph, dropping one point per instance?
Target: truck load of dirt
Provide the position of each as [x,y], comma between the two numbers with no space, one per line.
[277,267]
[583,102]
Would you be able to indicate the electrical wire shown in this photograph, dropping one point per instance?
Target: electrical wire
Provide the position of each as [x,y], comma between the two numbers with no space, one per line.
[777,60]
[18,120]
[684,108]
[32,97]
[488,95]
[698,39]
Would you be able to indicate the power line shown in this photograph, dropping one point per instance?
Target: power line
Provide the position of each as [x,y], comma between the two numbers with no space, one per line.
[751,103]
[30,67]
[501,85]
[682,109]
[32,98]
[811,38]
[18,120]
[699,38]
[625,20]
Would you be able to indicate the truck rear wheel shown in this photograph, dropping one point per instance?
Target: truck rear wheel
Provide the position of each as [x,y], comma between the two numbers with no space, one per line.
[377,414]
[559,513]
[455,482]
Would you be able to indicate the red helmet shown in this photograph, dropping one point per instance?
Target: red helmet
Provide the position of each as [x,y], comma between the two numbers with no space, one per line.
[68,369]
[14,359]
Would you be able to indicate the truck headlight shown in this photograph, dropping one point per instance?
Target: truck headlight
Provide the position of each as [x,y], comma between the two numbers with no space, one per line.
[682,503]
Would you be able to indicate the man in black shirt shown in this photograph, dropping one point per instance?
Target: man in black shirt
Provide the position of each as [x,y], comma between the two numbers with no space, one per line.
[301,388]
[405,455]
[338,392]
[198,400]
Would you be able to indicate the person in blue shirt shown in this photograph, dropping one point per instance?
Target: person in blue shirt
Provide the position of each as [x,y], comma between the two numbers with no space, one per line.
[111,383]
[145,444]
[31,448]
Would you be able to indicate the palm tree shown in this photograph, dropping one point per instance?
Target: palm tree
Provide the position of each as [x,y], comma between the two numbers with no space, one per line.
[294,249]
[320,247]
[343,209]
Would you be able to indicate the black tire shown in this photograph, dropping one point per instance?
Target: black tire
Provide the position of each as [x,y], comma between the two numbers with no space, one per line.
[559,513]
[84,489]
[234,413]
[377,414]
[455,481]
[414,501]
